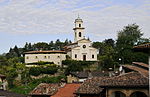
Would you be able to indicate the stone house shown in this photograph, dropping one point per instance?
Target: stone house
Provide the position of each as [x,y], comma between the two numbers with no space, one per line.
[47,56]
[132,84]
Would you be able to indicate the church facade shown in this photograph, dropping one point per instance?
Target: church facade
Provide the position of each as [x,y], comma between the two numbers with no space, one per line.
[82,48]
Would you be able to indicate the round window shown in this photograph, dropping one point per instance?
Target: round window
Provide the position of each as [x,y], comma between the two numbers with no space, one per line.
[84,46]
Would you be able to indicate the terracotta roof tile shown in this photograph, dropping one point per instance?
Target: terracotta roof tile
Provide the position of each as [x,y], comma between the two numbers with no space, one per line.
[90,86]
[146,45]
[131,79]
[141,64]
[138,69]
[45,89]
[49,51]
[67,91]
[96,84]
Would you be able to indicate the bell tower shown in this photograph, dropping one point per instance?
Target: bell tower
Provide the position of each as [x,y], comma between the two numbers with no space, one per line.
[78,30]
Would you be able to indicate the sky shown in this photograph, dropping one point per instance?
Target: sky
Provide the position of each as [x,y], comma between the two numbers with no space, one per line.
[35,21]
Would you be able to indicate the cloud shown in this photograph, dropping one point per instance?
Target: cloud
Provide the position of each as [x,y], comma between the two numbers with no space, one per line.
[102,18]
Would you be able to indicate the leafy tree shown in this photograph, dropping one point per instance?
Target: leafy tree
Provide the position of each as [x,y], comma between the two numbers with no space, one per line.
[41,46]
[127,38]
[109,42]
[11,75]
[16,50]
[51,45]
[3,60]
[99,46]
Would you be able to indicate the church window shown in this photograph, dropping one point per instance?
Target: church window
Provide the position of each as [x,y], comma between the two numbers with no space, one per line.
[44,57]
[58,56]
[84,46]
[79,25]
[75,55]
[79,34]
[92,56]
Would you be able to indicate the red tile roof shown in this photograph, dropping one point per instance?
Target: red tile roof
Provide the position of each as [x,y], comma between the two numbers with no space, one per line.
[67,91]
[49,51]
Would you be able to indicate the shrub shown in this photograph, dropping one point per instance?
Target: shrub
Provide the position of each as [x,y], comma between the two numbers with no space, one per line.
[35,71]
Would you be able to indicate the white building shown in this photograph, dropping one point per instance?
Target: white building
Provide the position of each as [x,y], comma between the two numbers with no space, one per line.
[47,56]
[82,48]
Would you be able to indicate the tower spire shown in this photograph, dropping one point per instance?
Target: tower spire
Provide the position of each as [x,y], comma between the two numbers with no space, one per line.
[78,16]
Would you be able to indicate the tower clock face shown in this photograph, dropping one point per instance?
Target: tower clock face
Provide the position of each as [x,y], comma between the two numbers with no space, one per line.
[84,46]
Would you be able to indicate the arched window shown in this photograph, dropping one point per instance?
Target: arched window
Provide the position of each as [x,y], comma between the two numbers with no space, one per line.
[79,34]
[79,25]
[138,94]
[118,94]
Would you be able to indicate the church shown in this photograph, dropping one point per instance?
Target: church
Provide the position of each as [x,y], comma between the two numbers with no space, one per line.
[81,49]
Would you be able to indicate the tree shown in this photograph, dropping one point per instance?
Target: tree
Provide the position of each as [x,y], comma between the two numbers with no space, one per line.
[51,45]
[3,60]
[129,35]
[99,46]
[127,38]
[16,50]
[109,42]
[41,46]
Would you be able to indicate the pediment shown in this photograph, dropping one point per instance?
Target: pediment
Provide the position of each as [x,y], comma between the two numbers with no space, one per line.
[84,41]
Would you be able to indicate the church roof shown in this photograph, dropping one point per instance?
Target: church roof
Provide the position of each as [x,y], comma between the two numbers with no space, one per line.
[78,19]
[84,40]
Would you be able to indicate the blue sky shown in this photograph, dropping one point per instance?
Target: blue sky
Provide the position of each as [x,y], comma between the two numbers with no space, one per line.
[34,21]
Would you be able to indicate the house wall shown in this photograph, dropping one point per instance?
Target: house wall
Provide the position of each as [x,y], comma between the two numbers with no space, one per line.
[71,79]
[56,58]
